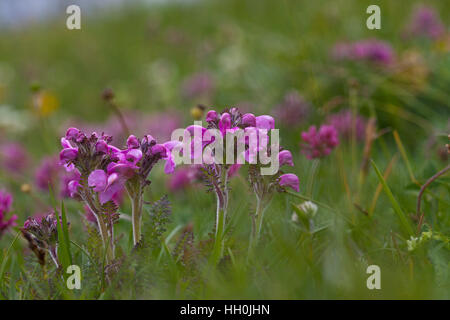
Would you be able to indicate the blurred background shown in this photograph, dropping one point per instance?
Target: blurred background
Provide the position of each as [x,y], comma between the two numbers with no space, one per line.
[165,63]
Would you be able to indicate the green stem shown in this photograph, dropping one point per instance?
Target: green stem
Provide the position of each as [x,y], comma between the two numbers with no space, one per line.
[108,244]
[220,227]
[136,216]
[312,176]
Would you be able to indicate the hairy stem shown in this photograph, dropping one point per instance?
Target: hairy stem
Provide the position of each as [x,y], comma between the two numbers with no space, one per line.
[108,243]
[136,211]
[220,228]
[312,176]
[255,226]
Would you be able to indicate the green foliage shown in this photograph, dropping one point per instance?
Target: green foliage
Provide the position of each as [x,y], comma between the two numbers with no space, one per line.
[256,51]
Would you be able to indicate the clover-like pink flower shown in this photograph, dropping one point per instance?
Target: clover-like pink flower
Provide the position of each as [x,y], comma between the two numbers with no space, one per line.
[319,143]
[13,156]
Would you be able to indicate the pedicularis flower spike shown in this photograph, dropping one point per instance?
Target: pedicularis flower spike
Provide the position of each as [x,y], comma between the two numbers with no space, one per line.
[255,128]
[42,237]
[105,171]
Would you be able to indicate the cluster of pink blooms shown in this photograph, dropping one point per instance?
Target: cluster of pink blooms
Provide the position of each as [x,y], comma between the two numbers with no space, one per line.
[425,22]
[50,173]
[348,124]
[371,50]
[259,126]
[108,167]
[13,156]
[41,233]
[319,143]
[6,200]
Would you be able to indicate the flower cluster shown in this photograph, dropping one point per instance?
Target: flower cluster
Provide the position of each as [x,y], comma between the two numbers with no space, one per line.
[13,157]
[425,22]
[105,171]
[6,200]
[372,50]
[319,143]
[42,236]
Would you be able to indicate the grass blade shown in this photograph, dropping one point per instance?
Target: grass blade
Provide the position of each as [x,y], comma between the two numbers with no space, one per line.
[398,210]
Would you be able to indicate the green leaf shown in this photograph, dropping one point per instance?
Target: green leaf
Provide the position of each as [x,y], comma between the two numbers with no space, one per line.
[397,209]
[5,258]
[63,239]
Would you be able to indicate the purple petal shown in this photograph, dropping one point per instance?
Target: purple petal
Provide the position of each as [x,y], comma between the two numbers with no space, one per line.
[290,180]
[265,122]
[98,180]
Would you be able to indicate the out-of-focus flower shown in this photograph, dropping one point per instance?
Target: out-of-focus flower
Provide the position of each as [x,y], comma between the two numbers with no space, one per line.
[44,103]
[290,180]
[6,200]
[372,50]
[13,120]
[425,22]
[183,177]
[13,156]
[347,123]
[412,70]
[308,208]
[198,111]
[198,85]
[412,243]
[319,143]
[47,172]
[292,110]
[234,169]
[69,181]
[304,214]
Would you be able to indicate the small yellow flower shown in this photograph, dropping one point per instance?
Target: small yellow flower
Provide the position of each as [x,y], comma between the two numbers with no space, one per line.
[25,188]
[44,103]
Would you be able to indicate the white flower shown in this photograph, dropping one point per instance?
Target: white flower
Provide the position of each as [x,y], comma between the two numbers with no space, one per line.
[294,217]
[412,244]
[309,208]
